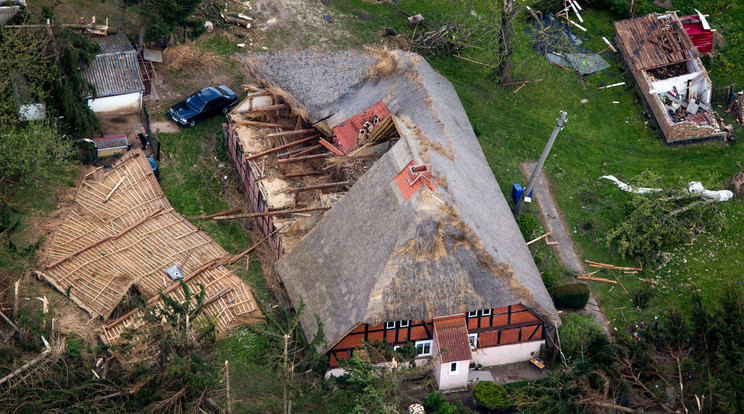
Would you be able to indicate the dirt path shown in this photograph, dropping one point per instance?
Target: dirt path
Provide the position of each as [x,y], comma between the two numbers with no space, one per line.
[553,221]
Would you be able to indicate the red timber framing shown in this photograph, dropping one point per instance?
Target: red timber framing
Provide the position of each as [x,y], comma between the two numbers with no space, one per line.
[501,326]
[250,184]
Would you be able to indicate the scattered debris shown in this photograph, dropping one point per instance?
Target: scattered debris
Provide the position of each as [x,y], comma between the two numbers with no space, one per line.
[613,267]
[611,86]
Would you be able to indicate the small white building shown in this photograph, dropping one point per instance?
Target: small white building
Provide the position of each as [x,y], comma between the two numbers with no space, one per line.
[116,75]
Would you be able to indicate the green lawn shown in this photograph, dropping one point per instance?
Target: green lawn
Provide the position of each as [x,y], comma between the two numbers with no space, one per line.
[607,135]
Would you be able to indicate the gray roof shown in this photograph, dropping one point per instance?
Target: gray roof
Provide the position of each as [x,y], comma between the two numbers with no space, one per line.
[113,44]
[376,257]
[115,74]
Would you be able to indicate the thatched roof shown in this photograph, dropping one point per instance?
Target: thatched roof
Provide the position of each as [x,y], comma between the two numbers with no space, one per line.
[122,232]
[377,257]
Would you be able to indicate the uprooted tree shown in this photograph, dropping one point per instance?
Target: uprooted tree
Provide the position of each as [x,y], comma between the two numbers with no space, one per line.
[658,220]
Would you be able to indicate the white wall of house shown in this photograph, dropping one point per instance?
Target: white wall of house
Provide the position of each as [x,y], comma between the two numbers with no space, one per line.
[129,103]
[452,375]
[506,354]
[257,102]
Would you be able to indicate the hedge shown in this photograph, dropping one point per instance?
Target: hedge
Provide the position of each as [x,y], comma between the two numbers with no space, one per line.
[571,296]
[491,396]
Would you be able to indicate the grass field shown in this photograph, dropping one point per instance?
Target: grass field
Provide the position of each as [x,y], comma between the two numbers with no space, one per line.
[607,135]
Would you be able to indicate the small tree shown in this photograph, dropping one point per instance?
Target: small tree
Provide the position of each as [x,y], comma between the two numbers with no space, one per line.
[31,152]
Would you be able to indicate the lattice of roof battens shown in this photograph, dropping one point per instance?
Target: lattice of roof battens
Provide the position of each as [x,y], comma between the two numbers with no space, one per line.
[229,302]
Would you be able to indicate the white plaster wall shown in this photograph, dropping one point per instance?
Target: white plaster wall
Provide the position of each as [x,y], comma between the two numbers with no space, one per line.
[119,104]
[680,82]
[445,381]
[506,354]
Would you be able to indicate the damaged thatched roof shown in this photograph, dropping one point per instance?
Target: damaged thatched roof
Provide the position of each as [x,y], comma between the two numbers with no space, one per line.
[122,232]
[376,256]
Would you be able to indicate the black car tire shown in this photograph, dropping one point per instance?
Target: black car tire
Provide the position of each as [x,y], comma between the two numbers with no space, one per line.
[225,109]
[192,123]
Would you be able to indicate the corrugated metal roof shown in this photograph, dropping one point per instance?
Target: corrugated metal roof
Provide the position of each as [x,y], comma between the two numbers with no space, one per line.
[7,13]
[113,44]
[115,74]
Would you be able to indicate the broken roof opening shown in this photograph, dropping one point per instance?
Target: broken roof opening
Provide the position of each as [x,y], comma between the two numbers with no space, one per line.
[296,166]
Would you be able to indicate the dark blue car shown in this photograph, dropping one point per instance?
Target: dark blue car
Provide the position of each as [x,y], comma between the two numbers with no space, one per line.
[205,103]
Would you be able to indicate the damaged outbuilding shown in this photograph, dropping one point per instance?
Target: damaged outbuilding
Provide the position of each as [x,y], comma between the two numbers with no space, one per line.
[666,65]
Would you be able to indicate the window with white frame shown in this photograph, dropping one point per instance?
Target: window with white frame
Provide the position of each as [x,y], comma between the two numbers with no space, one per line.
[390,325]
[473,338]
[453,368]
[424,347]
[472,314]
[486,312]
[404,324]
[395,347]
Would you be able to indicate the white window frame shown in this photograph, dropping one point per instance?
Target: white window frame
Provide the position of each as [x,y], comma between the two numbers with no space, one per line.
[395,347]
[423,345]
[404,324]
[486,312]
[388,325]
[473,314]
[455,365]
[473,339]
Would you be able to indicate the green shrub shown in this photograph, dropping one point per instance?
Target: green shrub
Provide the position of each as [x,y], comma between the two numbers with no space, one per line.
[491,396]
[573,296]
[529,226]
[549,278]
[641,297]
[578,333]
[435,403]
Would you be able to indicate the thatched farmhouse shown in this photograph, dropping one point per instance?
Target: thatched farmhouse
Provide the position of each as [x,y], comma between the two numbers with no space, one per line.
[667,68]
[384,213]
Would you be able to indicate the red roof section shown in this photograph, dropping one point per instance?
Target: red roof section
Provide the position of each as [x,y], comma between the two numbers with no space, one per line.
[451,335]
[407,189]
[345,133]
[700,37]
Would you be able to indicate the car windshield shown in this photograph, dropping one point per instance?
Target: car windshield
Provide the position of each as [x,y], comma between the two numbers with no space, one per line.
[195,102]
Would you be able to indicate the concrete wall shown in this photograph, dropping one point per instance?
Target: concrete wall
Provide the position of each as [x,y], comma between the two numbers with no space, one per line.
[506,354]
[117,105]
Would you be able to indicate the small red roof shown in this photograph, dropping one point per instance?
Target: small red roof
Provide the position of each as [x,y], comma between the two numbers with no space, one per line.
[345,133]
[405,177]
[451,335]
[700,36]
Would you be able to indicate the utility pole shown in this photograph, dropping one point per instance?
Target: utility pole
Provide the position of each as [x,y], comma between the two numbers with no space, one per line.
[558,126]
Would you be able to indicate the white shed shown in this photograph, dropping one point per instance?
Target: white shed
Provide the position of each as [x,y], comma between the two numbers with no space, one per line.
[116,75]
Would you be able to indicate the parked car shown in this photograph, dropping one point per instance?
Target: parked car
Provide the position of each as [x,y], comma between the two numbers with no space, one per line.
[205,103]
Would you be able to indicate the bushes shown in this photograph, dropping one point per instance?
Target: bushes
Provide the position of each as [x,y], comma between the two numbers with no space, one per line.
[435,403]
[578,333]
[529,226]
[491,396]
[574,295]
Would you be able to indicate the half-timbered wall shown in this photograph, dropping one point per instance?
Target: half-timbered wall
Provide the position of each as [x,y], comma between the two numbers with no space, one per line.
[495,327]
[250,185]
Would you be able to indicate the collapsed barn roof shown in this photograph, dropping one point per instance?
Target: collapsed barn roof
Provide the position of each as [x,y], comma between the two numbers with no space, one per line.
[122,232]
[379,255]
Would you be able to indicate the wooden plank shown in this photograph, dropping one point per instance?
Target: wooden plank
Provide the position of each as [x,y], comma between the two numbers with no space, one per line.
[250,249]
[270,108]
[307,151]
[108,197]
[281,147]
[262,124]
[331,147]
[539,238]
[304,158]
[316,187]
[303,174]
[292,133]
[223,213]
[272,213]
[595,279]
